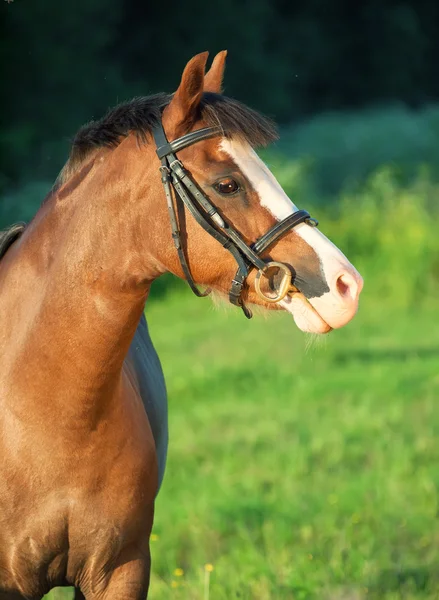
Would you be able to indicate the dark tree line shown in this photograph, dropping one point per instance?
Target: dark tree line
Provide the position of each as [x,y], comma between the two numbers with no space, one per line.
[65,63]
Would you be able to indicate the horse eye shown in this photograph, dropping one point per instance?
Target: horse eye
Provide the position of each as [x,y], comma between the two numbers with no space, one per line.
[227,186]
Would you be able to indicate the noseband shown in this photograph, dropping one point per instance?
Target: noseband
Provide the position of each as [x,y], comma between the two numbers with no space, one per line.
[175,176]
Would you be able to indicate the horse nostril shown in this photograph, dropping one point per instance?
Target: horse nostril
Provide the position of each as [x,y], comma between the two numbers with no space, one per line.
[347,286]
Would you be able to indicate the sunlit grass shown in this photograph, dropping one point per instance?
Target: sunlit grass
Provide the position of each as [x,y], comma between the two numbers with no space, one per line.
[298,475]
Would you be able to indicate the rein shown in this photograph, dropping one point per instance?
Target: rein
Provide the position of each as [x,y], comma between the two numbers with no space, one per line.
[175,177]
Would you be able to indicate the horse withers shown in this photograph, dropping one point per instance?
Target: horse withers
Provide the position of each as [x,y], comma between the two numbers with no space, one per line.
[167,183]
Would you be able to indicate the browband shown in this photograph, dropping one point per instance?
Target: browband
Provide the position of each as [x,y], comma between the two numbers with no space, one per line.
[186,140]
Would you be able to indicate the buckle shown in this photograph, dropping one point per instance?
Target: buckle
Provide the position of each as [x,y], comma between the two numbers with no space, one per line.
[282,288]
[176,162]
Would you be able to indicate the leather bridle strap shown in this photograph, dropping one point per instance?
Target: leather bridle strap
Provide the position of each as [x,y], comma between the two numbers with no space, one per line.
[183,177]
[173,172]
[264,242]
[166,180]
[166,147]
[174,175]
[278,230]
[195,212]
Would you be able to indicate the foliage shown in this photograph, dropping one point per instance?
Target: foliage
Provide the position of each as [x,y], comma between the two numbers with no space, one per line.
[22,204]
[340,149]
[54,62]
[298,474]
[390,232]
[319,158]
[63,66]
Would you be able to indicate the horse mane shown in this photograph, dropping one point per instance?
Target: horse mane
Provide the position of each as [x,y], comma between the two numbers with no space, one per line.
[140,114]
[9,236]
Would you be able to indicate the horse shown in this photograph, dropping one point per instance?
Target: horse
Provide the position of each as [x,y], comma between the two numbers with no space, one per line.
[169,183]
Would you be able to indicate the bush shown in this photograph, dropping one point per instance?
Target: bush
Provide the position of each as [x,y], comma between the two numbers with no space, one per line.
[340,150]
[22,204]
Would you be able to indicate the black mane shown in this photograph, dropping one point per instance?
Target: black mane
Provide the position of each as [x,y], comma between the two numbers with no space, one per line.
[8,237]
[141,114]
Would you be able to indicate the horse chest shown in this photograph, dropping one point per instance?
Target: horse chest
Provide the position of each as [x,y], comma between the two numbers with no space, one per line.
[50,537]
[96,499]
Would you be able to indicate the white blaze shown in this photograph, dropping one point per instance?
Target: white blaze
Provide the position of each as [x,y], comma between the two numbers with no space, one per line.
[273,198]
[271,195]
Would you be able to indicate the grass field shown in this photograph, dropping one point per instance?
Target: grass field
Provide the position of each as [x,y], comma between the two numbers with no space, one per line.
[303,468]
[297,472]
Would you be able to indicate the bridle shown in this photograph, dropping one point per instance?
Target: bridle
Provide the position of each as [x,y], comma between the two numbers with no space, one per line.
[174,176]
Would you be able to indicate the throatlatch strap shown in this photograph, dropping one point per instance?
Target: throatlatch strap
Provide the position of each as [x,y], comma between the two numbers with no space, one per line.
[160,140]
[166,180]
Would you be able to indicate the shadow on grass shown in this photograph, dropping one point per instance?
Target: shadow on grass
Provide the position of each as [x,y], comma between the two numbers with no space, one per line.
[410,579]
[387,354]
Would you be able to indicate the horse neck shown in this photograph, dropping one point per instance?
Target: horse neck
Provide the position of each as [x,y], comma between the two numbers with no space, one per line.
[75,284]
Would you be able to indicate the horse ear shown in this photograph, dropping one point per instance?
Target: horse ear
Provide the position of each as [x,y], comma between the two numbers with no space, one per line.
[214,77]
[182,111]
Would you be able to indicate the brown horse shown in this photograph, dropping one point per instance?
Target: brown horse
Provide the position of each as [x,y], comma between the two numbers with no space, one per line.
[83,405]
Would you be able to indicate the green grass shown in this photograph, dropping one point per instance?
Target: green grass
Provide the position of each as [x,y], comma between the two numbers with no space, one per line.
[303,468]
[298,473]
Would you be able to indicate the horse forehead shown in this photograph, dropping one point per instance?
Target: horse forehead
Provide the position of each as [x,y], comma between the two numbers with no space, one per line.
[271,195]
[302,245]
